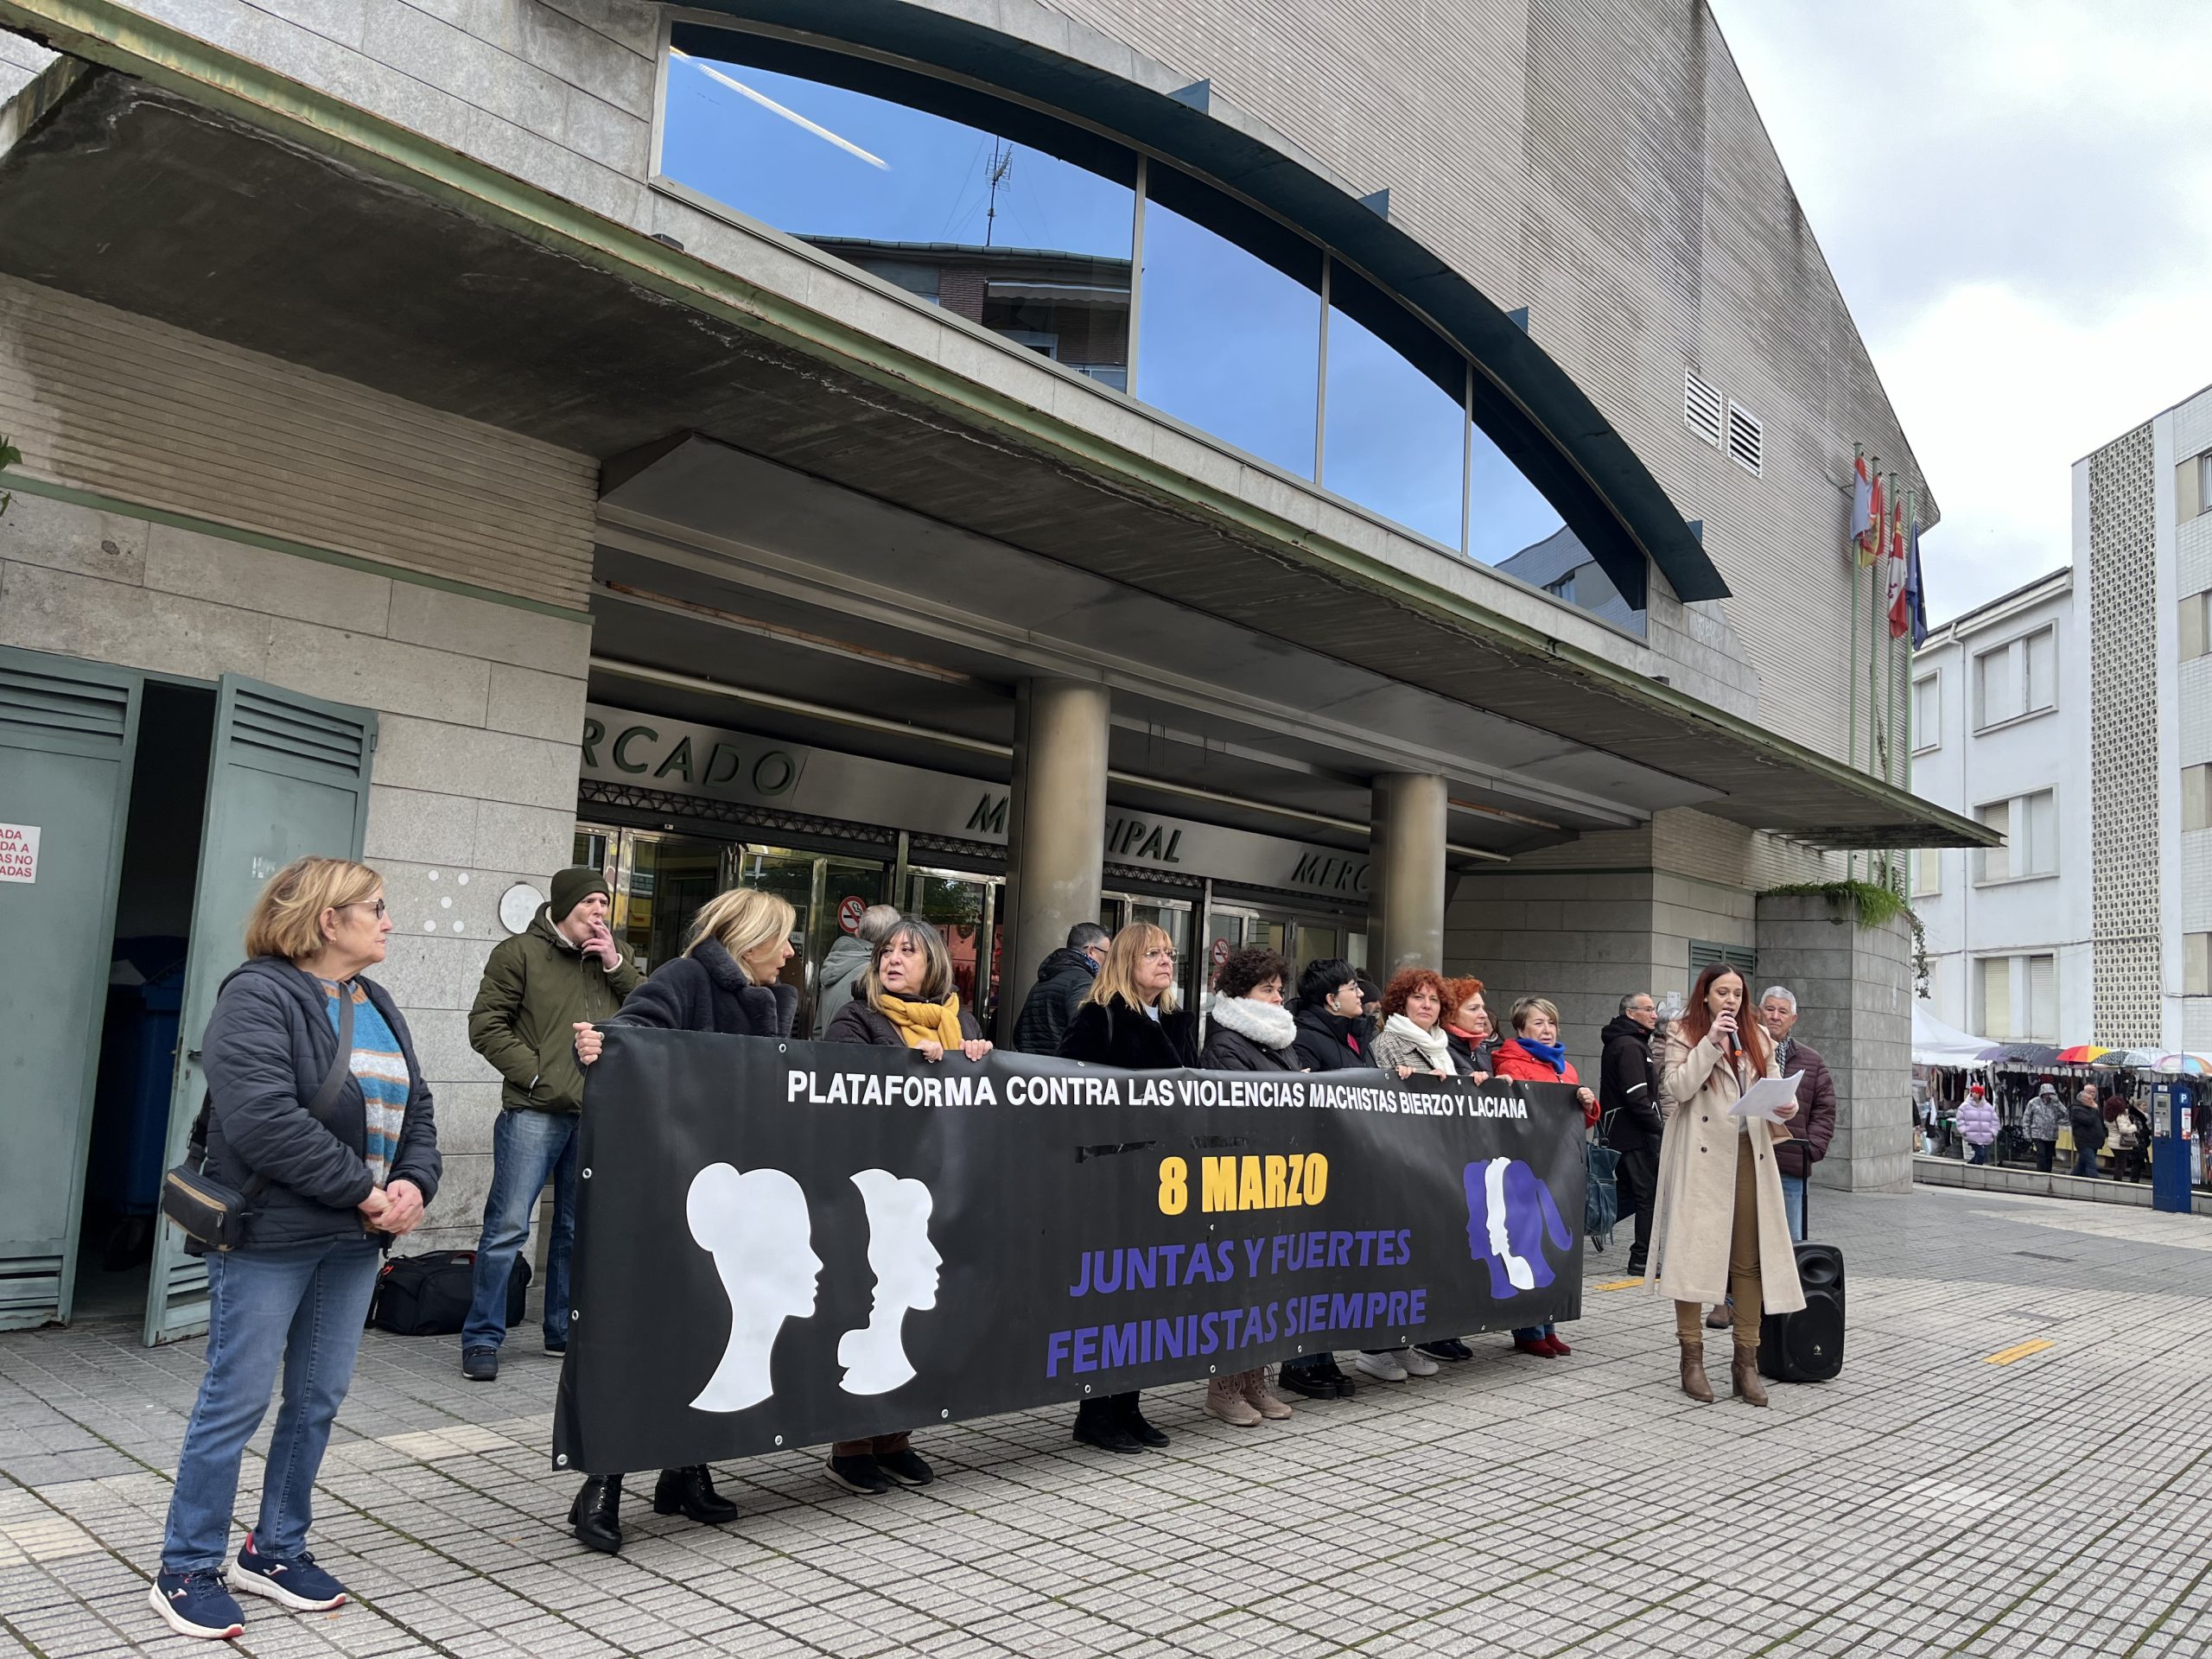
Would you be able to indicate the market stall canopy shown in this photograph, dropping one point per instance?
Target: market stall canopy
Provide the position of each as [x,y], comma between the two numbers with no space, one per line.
[1934,1043]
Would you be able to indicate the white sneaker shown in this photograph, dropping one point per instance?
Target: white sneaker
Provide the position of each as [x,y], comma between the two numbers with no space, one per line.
[1415,1362]
[1383,1368]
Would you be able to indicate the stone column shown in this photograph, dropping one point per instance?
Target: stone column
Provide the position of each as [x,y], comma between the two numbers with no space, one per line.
[1853,987]
[1056,829]
[1405,905]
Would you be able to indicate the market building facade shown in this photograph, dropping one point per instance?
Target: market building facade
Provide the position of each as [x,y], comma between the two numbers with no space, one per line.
[1030,467]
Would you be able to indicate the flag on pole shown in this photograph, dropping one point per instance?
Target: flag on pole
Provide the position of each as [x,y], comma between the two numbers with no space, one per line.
[1916,597]
[1896,576]
[1862,504]
[1870,539]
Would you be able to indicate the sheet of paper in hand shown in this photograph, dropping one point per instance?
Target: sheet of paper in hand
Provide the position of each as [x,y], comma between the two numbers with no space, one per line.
[1764,1097]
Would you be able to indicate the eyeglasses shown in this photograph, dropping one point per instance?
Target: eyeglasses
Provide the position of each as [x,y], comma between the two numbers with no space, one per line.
[1159,953]
[376,904]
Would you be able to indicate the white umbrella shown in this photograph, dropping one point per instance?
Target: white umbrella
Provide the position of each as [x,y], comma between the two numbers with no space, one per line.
[1934,1043]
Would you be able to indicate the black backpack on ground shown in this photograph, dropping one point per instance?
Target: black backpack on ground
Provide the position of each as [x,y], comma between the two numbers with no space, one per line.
[427,1295]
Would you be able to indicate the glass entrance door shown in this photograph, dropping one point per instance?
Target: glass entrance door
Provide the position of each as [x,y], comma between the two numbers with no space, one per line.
[965,909]
[659,882]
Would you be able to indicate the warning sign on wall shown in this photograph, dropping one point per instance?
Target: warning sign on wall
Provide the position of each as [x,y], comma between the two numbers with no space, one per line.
[18,852]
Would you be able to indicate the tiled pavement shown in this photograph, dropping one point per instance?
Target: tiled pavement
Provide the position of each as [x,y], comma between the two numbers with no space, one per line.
[1928,1502]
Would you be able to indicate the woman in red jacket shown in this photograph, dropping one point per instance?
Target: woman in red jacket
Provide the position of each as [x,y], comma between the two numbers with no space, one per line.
[1535,1054]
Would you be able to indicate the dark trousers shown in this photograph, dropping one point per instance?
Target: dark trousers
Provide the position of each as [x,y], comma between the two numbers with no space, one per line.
[1110,1405]
[2044,1152]
[2085,1163]
[1635,1177]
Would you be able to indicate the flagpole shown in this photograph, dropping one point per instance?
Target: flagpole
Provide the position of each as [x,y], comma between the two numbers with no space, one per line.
[1851,665]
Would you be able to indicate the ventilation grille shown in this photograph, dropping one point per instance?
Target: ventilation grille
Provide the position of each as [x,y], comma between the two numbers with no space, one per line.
[30,1290]
[52,705]
[1704,954]
[1747,439]
[296,734]
[1701,407]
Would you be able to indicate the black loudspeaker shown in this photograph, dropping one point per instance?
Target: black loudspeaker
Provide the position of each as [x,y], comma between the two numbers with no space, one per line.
[1808,1347]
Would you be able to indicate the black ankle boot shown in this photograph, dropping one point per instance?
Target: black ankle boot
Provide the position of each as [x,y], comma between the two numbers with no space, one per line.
[596,1516]
[691,1491]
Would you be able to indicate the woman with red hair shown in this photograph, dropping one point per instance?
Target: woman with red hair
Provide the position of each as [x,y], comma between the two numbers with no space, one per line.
[1468,1029]
[1411,1036]
[1720,1226]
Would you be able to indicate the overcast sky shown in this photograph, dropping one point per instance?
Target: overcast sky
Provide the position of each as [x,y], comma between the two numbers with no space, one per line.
[2016,197]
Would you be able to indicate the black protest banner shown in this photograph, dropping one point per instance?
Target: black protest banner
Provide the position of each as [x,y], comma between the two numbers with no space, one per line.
[785,1243]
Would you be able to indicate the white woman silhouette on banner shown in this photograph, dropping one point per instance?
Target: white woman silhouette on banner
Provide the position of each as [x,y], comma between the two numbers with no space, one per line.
[756,1225]
[904,1263]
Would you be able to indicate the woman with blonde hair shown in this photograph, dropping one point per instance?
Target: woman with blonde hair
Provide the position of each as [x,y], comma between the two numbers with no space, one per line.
[318,1112]
[1719,1225]
[1130,1019]
[727,981]
[902,998]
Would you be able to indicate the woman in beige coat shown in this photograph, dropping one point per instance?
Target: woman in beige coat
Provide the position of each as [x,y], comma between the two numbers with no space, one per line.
[1719,1225]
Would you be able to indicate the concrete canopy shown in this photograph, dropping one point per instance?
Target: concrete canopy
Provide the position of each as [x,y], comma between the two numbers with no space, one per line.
[208,193]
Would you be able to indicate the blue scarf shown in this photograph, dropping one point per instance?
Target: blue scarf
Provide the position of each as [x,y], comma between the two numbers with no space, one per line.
[1552,1054]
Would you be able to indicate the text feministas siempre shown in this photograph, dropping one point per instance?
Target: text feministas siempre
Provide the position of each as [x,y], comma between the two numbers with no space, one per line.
[950,1088]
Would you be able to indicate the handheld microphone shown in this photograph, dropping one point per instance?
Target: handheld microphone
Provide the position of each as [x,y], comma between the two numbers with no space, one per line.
[1733,1053]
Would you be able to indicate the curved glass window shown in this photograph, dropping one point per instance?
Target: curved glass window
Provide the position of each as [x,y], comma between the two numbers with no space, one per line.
[1034,228]
[1228,337]
[1396,438]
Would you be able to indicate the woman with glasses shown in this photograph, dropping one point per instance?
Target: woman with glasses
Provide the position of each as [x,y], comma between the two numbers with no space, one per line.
[335,1146]
[902,999]
[1130,1019]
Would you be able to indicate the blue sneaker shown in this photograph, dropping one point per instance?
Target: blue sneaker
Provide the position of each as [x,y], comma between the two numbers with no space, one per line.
[195,1603]
[298,1584]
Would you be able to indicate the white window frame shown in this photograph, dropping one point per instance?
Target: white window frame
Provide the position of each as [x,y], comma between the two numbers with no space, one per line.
[2019,823]
[2196,797]
[1927,872]
[2016,650]
[1979,997]
[2197,964]
[2193,634]
[1933,738]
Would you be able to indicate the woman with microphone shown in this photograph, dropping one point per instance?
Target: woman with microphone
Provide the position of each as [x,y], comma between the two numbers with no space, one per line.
[1719,1225]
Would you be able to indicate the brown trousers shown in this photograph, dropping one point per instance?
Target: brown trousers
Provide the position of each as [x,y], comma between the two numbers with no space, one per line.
[1742,1262]
[883,1446]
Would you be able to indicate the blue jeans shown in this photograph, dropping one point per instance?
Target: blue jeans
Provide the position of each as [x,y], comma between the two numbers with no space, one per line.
[300,1306]
[2085,1161]
[1533,1332]
[527,1148]
[1793,1203]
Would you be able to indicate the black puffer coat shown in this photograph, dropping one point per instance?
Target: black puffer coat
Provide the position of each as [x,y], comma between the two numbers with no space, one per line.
[269,1045]
[708,991]
[1121,1033]
[1322,1041]
[1063,980]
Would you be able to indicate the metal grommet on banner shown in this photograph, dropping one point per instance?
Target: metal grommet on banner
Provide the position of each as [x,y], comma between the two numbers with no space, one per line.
[584,1174]
[1086,1387]
[1210,1369]
[574,1315]
[561,1462]
[779,1439]
[946,1414]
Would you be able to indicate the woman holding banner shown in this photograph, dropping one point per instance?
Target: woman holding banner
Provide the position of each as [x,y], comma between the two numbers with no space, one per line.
[1467,1028]
[1719,1224]
[1130,1019]
[903,998]
[1535,1054]
[727,981]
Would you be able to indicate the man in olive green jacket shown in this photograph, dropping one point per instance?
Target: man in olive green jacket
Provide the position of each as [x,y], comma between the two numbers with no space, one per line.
[563,968]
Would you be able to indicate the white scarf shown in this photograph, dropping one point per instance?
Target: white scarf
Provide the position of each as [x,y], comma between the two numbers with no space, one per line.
[1269,1024]
[1434,1044]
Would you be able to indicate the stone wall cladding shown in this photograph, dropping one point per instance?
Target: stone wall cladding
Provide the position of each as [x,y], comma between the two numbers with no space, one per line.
[474,781]
[2124,736]
[118,405]
[1854,1005]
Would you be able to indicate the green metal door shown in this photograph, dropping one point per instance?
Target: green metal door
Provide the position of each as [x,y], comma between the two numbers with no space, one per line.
[287,775]
[68,733]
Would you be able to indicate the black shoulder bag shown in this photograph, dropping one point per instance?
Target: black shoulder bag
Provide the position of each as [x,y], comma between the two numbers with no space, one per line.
[211,1215]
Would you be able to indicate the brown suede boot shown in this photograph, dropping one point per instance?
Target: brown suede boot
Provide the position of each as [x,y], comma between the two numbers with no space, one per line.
[1743,1377]
[1694,1381]
[1226,1401]
[1253,1385]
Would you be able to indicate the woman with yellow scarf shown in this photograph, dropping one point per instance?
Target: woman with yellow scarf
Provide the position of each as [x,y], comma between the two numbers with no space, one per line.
[903,997]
